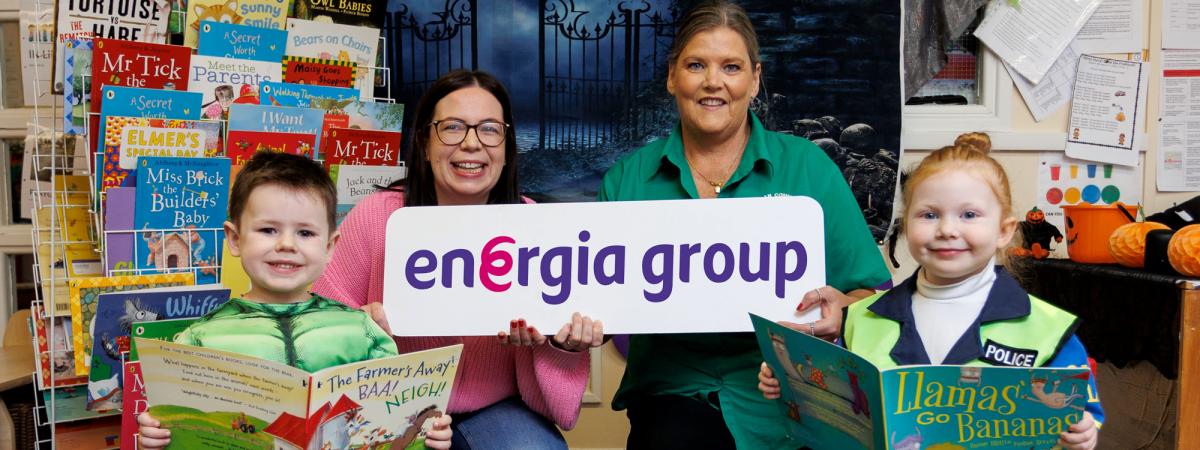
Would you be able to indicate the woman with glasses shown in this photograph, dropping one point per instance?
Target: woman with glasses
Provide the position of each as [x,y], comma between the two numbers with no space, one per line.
[511,390]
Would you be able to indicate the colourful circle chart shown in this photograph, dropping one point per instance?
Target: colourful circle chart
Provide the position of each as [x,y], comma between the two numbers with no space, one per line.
[1054,196]
[1072,196]
[1091,194]
[1110,194]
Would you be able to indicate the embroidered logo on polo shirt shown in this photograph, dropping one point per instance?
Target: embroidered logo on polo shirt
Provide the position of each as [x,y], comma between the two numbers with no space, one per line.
[998,354]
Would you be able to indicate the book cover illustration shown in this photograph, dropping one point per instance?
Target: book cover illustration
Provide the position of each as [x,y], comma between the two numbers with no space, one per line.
[355,183]
[360,115]
[244,144]
[356,147]
[133,389]
[181,206]
[55,359]
[225,400]
[832,398]
[337,42]
[144,21]
[127,139]
[145,102]
[332,100]
[70,405]
[321,72]
[225,81]
[254,13]
[86,291]
[277,119]
[231,40]
[77,85]
[58,263]
[134,64]
[118,234]
[367,13]
[115,314]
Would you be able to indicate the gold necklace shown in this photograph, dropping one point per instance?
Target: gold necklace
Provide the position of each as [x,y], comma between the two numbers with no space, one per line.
[715,185]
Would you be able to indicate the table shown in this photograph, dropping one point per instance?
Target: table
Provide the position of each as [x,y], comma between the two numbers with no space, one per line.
[16,369]
[1130,315]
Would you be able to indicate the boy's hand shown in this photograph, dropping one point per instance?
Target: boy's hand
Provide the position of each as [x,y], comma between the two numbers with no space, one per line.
[767,383]
[151,436]
[1082,435]
[375,310]
[520,334]
[439,435]
[580,334]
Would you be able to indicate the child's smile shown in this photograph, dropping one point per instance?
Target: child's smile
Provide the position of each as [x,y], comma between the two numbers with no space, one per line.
[954,226]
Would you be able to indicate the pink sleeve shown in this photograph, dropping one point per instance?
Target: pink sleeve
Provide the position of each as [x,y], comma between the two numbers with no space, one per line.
[552,381]
[354,275]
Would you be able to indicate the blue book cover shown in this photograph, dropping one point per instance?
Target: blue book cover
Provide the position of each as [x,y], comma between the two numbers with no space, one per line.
[142,102]
[277,119]
[77,85]
[832,398]
[117,311]
[306,95]
[182,204]
[241,41]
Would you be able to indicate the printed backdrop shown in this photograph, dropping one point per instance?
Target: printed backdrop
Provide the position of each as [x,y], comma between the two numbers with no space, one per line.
[588,80]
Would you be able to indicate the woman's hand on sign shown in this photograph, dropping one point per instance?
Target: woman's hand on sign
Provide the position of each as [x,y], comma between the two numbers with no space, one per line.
[375,310]
[831,301]
[520,334]
[580,334]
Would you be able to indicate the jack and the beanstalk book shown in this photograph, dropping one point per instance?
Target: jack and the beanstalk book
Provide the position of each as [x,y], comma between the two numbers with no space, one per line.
[834,399]
[212,399]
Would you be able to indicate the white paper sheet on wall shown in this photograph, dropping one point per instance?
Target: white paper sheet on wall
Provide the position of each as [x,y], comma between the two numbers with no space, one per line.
[1178,155]
[1181,24]
[1054,91]
[1030,37]
[1117,26]
[1105,110]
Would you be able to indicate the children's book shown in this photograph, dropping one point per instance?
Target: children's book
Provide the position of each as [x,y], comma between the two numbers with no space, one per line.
[143,21]
[136,64]
[58,263]
[133,389]
[367,13]
[358,114]
[118,234]
[143,102]
[330,99]
[244,144]
[181,206]
[232,40]
[84,295]
[337,42]
[70,404]
[115,314]
[355,183]
[129,138]
[277,119]
[55,359]
[356,147]
[832,398]
[254,13]
[224,400]
[225,81]
[321,72]
[77,85]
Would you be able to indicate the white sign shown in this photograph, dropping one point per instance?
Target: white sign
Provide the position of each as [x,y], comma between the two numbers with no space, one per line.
[641,267]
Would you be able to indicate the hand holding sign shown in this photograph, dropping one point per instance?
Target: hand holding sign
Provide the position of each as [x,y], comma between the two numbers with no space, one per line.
[580,334]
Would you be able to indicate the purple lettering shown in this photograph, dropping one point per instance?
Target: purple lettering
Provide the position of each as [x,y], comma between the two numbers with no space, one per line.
[524,256]
[411,269]
[782,273]
[618,266]
[667,252]
[561,279]
[710,266]
[764,253]
[468,263]
[583,258]
[686,251]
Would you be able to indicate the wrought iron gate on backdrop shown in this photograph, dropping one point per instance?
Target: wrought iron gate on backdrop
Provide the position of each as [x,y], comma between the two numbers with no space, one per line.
[420,52]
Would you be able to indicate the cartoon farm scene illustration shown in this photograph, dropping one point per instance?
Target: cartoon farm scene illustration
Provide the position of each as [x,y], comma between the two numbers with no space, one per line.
[343,426]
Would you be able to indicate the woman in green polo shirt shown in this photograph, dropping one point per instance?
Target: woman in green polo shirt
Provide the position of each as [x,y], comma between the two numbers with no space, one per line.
[700,390]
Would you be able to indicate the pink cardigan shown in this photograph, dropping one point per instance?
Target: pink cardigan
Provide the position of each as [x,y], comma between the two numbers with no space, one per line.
[549,380]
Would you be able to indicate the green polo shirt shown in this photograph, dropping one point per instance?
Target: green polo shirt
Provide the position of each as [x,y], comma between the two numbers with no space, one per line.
[696,365]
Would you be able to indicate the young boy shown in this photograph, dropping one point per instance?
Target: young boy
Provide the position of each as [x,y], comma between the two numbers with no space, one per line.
[282,225]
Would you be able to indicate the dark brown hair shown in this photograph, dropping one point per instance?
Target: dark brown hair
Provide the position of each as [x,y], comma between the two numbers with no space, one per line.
[419,185]
[710,15]
[294,172]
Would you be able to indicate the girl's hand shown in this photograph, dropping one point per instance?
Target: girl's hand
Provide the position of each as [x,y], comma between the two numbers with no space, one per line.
[375,310]
[830,301]
[767,383]
[1082,435]
[439,435]
[151,435]
[520,334]
[580,334]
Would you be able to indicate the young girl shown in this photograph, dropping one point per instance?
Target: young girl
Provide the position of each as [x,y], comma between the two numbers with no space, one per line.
[960,307]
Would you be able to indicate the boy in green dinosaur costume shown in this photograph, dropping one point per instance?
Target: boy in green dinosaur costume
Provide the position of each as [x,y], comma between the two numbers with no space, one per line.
[282,226]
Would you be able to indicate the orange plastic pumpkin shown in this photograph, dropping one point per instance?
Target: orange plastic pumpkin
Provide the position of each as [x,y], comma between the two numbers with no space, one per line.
[1128,243]
[1184,251]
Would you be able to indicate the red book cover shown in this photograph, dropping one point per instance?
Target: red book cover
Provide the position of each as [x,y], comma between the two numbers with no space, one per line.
[324,72]
[117,62]
[133,402]
[339,120]
[352,146]
[244,144]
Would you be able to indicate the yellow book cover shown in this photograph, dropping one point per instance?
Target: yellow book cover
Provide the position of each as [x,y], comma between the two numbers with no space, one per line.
[84,292]
[58,263]
[256,13]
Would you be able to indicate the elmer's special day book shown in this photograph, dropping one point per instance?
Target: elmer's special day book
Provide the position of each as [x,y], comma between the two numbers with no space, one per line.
[211,399]
[834,399]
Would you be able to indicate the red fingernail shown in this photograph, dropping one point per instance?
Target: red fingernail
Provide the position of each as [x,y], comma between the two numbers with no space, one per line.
[800,306]
[529,329]
[521,323]
[512,324]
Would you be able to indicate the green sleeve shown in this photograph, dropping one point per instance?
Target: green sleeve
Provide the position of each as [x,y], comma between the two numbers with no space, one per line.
[382,345]
[610,183]
[188,336]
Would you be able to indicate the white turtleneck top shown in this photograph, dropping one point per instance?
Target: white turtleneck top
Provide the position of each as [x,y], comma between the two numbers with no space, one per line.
[944,313]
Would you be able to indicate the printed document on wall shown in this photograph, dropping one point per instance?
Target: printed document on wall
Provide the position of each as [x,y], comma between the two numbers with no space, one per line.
[1179,130]
[1180,92]
[1117,26]
[1104,110]
[1045,98]
[1181,24]
[1030,37]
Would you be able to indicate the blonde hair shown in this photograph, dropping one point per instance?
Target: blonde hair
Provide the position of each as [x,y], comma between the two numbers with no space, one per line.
[969,153]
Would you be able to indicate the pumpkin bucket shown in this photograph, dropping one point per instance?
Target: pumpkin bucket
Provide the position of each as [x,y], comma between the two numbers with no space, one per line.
[1088,229]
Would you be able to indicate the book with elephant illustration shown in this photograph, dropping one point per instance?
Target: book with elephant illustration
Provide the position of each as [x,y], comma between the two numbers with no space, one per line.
[212,399]
[832,398]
